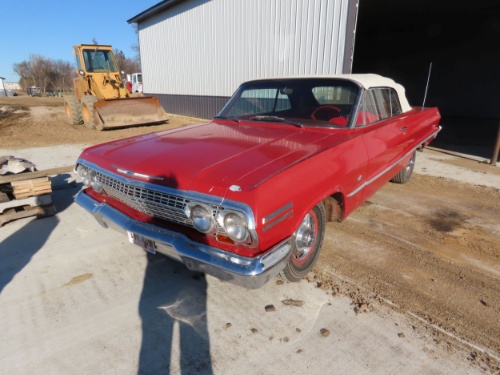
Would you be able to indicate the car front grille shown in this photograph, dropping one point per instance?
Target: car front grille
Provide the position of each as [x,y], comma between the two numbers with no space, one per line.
[161,205]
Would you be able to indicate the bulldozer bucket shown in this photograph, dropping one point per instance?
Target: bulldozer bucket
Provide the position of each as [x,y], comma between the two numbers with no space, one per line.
[123,112]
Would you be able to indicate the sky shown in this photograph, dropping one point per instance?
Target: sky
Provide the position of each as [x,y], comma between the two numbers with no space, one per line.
[51,28]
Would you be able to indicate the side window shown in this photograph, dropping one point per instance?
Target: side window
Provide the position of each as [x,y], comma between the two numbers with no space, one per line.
[387,102]
[378,104]
[394,103]
[78,63]
[367,110]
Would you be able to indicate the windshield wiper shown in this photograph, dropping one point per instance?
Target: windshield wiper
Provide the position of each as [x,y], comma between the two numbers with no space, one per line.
[226,118]
[276,119]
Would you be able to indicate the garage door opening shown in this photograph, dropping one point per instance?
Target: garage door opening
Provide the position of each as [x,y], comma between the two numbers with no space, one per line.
[400,39]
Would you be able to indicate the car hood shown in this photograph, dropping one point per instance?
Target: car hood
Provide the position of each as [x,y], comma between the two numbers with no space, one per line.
[213,157]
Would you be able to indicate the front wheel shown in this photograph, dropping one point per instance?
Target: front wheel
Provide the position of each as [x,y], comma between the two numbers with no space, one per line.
[88,111]
[306,244]
[404,174]
[72,109]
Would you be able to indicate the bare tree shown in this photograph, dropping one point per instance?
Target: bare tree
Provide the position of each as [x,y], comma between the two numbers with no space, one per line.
[22,69]
[125,64]
[37,69]
[46,73]
[64,74]
[135,46]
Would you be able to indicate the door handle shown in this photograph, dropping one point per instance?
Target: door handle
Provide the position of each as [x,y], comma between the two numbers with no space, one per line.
[403,128]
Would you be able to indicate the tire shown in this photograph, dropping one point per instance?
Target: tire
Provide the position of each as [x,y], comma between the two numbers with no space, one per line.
[88,111]
[404,174]
[73,110]
[306,244]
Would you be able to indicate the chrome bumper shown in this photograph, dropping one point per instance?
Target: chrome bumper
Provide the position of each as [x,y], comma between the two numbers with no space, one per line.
[251,273]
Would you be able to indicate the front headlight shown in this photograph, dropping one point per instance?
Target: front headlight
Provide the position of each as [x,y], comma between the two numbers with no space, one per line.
[236,227]
[83,172]
[201,216]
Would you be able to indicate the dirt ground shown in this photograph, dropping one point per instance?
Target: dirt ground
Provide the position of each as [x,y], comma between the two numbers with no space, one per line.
[40,121]
[429,248]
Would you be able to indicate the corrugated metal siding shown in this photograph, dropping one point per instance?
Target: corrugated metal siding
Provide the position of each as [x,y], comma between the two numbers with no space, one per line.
[207,48]
[204,107]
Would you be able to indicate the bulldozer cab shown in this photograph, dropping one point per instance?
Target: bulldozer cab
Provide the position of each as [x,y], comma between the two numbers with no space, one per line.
[98,73]
[98,61]
[95,59]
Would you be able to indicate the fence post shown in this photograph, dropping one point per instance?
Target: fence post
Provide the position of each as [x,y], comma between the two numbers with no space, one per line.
[496,150]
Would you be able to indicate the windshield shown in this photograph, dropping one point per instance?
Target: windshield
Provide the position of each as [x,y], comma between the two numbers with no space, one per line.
[308,101]
[98,60]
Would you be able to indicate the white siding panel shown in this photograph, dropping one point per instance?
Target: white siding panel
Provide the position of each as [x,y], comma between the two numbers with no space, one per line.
[208,48]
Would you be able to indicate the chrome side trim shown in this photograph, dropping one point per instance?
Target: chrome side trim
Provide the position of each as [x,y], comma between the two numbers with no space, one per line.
[366,183]
[277,216]
[272,215]
[270,225]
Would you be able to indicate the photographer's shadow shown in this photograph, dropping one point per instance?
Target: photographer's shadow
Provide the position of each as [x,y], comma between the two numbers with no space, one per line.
[173,304]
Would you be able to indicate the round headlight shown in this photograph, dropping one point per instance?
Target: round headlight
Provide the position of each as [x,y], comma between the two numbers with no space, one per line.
[81,171]
[236,227]
[202,218]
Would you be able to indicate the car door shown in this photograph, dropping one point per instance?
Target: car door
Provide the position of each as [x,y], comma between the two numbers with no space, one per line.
[383,136]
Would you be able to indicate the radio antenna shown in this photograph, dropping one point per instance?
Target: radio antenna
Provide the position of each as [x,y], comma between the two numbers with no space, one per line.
[427,86]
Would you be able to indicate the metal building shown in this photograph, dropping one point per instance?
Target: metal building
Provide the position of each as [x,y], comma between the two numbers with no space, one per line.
[195,53]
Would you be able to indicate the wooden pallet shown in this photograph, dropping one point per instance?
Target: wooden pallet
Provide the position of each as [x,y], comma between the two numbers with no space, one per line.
[27,194]
[39,206]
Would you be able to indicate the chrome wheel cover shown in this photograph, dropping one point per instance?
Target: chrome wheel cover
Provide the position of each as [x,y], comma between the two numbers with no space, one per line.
[305,237]
[409,166]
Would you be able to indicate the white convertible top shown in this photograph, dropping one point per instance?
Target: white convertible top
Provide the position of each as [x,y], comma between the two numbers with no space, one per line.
[366,81]
[374,80]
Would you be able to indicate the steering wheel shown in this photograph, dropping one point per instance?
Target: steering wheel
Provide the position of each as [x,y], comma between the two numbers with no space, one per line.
[329,112]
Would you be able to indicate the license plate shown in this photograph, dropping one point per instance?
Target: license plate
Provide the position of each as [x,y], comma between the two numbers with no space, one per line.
[145,243]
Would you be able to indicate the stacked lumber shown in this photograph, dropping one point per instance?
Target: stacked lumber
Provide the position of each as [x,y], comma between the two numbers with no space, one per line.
[24,191]
[29,188]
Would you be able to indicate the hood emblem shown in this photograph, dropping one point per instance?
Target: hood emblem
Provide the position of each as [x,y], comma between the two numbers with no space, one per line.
[136,174]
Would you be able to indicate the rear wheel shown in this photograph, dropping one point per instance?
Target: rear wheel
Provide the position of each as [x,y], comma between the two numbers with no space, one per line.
[72,109]
[404,174]
[306,244]
[88,111]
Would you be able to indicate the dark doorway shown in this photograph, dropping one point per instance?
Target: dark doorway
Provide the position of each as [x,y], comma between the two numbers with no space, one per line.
[400,39]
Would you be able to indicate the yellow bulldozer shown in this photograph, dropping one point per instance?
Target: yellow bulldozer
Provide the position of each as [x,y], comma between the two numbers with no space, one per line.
[100,99]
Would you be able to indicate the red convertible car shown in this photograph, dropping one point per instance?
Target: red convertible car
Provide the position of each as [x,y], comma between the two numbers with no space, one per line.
[247,195]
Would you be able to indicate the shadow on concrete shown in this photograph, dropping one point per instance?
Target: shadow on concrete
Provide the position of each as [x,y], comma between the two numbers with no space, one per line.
[174,320]
[173,310]
[17,249]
